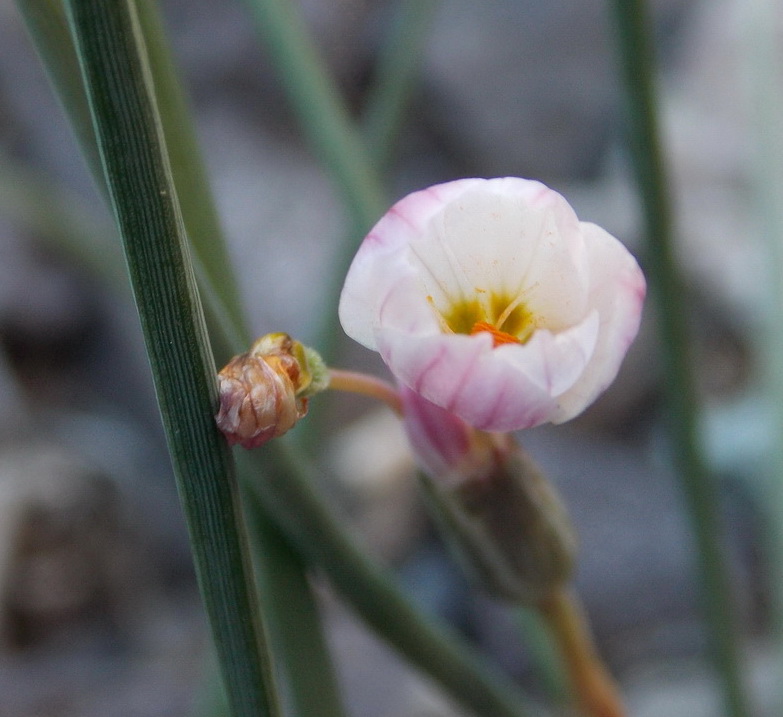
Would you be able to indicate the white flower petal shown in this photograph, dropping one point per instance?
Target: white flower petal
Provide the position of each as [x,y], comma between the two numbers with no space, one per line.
[384,257]
[493,238]
[617,293]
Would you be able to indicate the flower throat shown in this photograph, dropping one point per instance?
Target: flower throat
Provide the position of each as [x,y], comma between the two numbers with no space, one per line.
[506,318]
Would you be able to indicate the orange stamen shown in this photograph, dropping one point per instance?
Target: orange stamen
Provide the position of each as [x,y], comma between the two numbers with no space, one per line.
[498,337]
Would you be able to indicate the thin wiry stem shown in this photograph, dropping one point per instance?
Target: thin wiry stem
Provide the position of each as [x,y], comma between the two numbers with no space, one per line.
[636,54]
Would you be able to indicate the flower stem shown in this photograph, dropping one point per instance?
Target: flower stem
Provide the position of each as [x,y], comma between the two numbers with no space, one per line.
[632,28]
[316,101]
[355,382]
[764,94]
[594,688]
[549,671]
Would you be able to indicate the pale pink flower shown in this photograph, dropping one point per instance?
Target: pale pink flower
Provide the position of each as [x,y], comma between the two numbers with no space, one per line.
[493,301]
[445,447]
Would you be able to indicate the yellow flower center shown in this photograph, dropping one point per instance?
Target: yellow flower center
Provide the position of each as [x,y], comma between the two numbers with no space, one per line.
[505,317]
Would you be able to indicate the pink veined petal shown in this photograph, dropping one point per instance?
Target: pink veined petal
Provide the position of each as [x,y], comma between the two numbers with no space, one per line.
[617,293]
[504,389]
[440,440]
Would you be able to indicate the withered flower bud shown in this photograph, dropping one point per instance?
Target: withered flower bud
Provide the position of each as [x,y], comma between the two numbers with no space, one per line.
[264,392]
[497,512]
[509,529]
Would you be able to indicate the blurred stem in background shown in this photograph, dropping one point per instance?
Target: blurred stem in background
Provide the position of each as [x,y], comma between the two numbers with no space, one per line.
[48,28]
[547,660]
[281,570]
[396,72]
[763,75]
[116,76]
[65,220]
[633,29]
[319,108]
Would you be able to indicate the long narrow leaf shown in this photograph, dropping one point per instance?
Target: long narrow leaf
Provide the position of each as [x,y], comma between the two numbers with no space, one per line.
[763,70]
[130,140]
[190,177]
[286,596]
[395,76]
[48,28]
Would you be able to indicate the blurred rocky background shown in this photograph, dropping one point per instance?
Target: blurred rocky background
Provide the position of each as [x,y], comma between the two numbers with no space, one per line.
[98,609]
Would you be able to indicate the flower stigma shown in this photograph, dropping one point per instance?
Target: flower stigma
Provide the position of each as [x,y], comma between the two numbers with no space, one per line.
[506,319]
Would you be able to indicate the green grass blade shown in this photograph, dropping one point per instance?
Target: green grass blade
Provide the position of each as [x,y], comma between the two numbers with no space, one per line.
[284,586]
[395,77]
[286,594]
[48,28]
[319,108]
[763,71]
[130,139]
[633,30]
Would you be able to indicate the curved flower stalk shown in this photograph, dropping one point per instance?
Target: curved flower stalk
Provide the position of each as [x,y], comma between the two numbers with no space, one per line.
[490,299]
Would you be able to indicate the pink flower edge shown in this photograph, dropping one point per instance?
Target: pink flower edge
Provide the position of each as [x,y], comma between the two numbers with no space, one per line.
[387,303]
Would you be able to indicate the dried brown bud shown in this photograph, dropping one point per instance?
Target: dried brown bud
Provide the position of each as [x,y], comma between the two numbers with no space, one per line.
[264,392]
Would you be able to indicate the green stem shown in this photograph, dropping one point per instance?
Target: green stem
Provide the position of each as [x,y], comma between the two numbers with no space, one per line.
[763,72]
[47,26]
[396,73]
[547,662]
[284,586]
[284,484]
[319,108]
[636,54]
[117,81]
